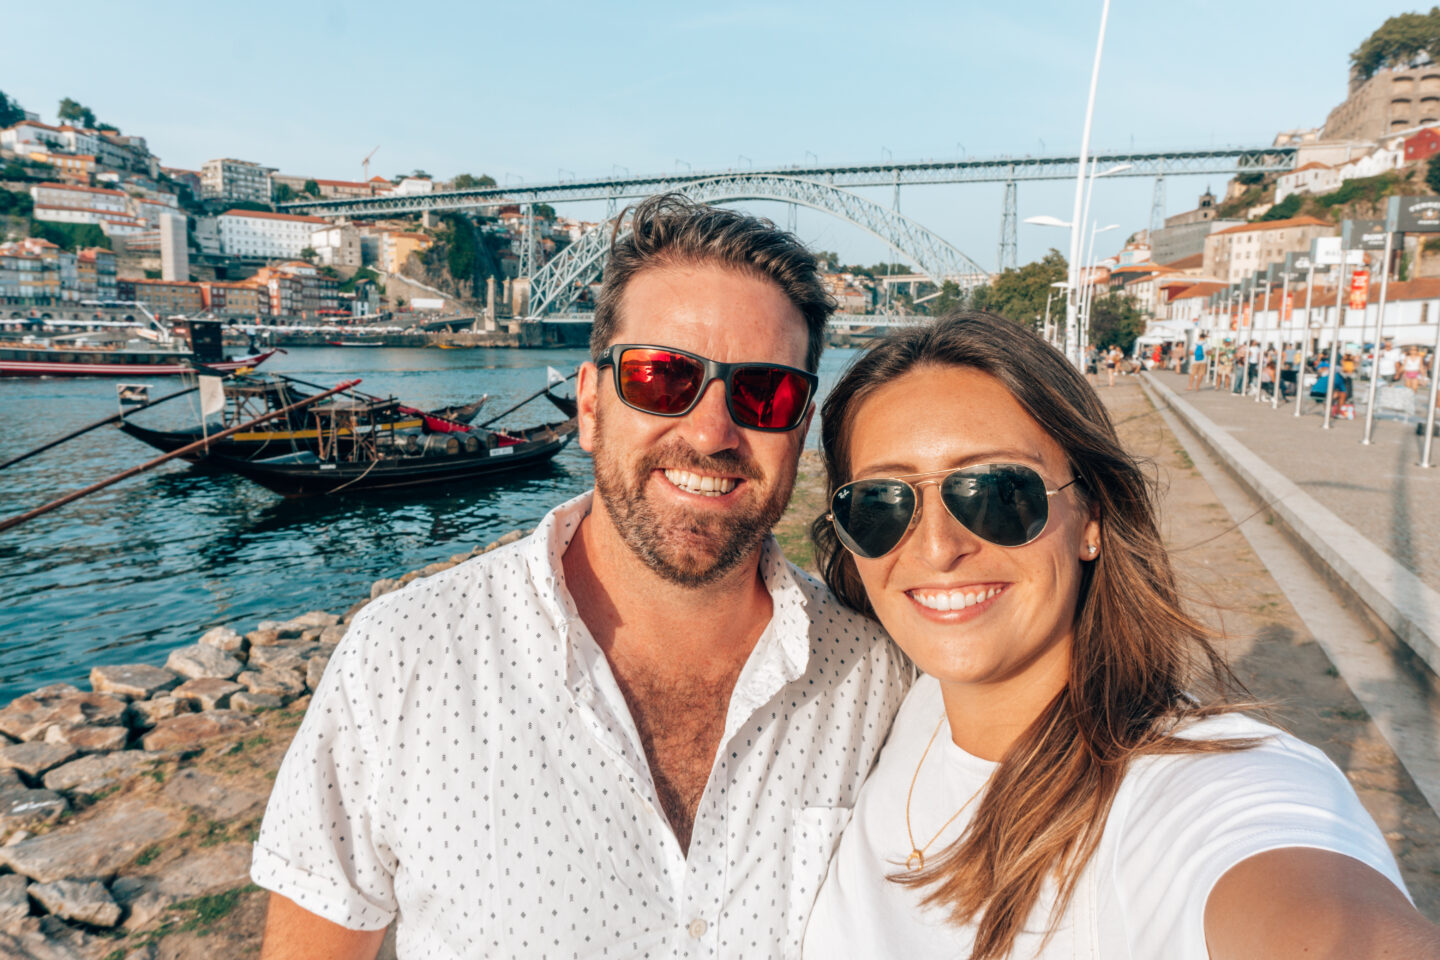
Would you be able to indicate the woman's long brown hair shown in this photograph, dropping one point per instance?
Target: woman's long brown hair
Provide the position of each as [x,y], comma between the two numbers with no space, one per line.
[1140,665]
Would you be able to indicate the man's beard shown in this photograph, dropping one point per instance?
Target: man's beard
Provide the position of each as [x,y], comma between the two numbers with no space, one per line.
[665,539]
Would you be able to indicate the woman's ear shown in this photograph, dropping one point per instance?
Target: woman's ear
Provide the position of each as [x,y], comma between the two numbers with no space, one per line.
[1090,537]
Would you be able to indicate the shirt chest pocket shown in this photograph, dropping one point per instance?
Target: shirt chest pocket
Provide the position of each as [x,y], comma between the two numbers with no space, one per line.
[814,834]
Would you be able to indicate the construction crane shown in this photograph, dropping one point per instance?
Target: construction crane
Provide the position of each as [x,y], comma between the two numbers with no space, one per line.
[365,164]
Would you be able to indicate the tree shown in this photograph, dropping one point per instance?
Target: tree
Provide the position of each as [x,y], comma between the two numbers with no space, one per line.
[15,203]
[283,193]
[1022,294]
[1398,42]
[11,112]
[467,181]
[308,253]
[70,236]
[311,188]
[1285,209]
[1250,178]
[76,112]
[1115,320]
[1432,174]
[462,253]
[417,172]
[951,297]
[544,211]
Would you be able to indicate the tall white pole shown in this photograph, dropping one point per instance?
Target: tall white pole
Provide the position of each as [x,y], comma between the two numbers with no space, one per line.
[1304,340]
[1434,385]
[1076,224]
[1280,338]
[1335,338]
[1379,339]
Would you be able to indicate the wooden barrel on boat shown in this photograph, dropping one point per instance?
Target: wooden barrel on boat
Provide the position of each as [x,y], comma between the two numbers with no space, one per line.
[472,443]
[441,444]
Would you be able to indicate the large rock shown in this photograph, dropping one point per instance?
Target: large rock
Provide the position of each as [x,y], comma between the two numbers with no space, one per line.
[285,684]
[34,759]
[14,902]
[94,849]
[143,901]
[22,807]
[317,618]
[284,629]
[314,670]
[26,717]
[202,660]
[216,799]
[291,658]
[262,638]
[144,714]
[88,902]
[330,636]
[193,728]
[224,639]
[135,681]
[208,693]
[34,939]
[383,586]
[90,739]
[248,702]
[91,775]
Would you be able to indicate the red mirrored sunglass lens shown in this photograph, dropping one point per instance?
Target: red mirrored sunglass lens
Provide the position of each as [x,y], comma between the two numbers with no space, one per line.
[768,397]
[659,380]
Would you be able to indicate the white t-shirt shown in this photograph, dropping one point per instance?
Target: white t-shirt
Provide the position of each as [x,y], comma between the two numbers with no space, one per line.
[1389,360]
[1177,824]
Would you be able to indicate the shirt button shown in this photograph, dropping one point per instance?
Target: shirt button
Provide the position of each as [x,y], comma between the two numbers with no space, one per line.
[697,928]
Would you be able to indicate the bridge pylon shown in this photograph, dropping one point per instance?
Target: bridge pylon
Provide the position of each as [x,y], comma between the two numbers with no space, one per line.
[1008,255]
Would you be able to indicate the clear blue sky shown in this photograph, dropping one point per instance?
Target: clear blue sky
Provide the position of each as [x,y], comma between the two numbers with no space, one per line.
[525,90]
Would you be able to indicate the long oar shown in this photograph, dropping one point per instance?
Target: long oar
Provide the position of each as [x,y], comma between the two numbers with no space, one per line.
[544,389]
[98,423]
[188,448]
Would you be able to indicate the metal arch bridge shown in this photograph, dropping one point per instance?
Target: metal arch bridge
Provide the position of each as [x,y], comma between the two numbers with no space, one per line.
[1158,164]
[555,285]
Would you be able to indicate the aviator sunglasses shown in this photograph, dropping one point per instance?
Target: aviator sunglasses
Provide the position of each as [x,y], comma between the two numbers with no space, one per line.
[1006,504]
[669,382]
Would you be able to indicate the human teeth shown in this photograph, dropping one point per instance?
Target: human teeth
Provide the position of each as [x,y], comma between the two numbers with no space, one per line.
[704,485]
[947,600]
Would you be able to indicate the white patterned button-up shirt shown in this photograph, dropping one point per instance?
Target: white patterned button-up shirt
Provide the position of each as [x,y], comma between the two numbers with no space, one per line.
[469,768]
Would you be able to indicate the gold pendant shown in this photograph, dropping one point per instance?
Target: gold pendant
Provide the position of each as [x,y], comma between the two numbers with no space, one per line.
[916,860]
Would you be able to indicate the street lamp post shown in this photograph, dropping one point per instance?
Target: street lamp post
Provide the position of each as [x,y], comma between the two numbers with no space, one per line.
[1088,293]
[1076,220]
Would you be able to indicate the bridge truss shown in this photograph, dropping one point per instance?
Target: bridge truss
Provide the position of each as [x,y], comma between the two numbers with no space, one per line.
[555,286]
[1227,162]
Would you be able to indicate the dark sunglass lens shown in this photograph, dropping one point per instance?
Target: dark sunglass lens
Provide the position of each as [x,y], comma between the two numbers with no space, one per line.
[660,381]
[1002,503]
[871,516]
[772,398]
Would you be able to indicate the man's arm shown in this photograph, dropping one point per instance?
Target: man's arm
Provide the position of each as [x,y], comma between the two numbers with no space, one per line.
[294,933]
[1316,904]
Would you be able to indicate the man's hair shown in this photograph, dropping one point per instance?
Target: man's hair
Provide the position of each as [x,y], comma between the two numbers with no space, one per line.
[670,229]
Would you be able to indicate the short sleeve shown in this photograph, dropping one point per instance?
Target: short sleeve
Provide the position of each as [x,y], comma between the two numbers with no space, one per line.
[320,842]
[1193,817]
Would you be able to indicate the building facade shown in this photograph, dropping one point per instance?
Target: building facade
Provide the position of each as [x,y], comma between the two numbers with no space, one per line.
[261,235]
[1237,252]
[228,179]
[1389,101]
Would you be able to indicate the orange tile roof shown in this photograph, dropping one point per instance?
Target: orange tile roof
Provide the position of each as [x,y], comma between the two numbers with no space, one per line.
[1274,225]
[262,215]
[1199,290]
[1186,263]
[1313,165]
[71,186]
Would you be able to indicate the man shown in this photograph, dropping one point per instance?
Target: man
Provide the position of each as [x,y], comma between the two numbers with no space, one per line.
[639,731]
[1391,359]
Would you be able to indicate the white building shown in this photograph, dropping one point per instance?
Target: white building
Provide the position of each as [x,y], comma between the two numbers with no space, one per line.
[228,179]
[1317,178]
[174,248]
[252,233]
[85,198]
[415,185]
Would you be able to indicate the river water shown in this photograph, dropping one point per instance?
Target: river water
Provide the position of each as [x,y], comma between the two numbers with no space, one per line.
[129,573]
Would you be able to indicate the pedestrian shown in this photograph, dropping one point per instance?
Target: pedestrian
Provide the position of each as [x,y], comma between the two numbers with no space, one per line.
[1252,366]
[1390,360]
[1155,359]
[1112,361]
[1075,773]
[1411,366]
[636,732]
[1224,365]
[1199,364]
[1177,356]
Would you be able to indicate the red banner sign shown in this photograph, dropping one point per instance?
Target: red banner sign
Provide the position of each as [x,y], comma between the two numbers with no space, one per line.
[1359,289]
[1289,306]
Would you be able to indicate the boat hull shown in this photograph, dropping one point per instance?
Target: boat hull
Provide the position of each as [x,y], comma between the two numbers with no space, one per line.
[301,479]
[246,445]
[41,362]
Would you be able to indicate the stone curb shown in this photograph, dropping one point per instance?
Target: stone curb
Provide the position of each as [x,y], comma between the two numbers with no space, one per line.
[1405,603]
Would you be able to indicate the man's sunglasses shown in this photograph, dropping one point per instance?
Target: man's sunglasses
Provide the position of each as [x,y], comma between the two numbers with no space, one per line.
[668,383]
[1003,503]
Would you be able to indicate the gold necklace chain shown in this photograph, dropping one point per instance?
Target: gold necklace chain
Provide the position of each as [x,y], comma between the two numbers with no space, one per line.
[916,860]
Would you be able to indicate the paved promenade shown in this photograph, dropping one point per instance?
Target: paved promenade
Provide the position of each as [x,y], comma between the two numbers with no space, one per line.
[1379,490]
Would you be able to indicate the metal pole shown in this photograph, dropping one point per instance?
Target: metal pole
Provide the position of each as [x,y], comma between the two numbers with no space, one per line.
[1077,226]
[1245,355]
[1280,341]
[1335,340]
[20,518]
[1260,361]
[1379,338]
[1304,341]
[1430,414]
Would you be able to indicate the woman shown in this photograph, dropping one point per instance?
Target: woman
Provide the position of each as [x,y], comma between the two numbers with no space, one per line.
[1112,361]
[1071,776]
[1411,367]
